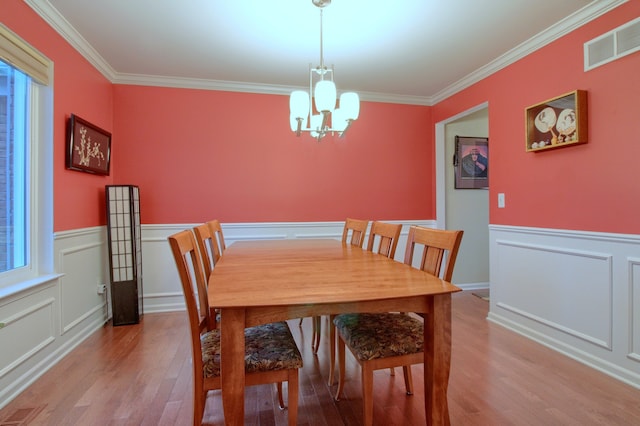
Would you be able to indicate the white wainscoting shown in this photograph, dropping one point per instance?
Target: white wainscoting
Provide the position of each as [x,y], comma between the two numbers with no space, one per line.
[45,321]
[576,292]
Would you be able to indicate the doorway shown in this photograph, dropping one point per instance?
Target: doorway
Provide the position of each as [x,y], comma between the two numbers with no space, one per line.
[466,209]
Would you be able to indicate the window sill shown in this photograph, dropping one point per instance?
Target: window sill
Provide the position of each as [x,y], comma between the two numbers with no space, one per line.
[27,285]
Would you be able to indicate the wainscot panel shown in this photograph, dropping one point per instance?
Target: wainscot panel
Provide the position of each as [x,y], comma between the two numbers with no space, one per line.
[44,322]
[576,292]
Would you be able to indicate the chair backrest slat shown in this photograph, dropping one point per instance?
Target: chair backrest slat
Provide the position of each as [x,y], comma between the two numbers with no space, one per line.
[440,250]
[209,250]
[357,228]
[216,232]
[387,234]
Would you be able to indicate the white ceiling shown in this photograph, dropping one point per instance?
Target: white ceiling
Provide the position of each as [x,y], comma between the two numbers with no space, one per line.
[412,51]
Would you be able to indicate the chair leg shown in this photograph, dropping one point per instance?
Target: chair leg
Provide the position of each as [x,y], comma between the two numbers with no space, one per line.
[341,368]
[408,379]
[317,329]
[314,330]
[332,349]
[367,394]
[300,323]
[199,401]
[280,397]
[392,371]
[292,396]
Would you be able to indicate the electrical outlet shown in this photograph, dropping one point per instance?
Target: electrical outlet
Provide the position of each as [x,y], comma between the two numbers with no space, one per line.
[102,288]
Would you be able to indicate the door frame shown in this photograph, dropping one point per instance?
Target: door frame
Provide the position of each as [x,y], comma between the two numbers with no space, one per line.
[441,161]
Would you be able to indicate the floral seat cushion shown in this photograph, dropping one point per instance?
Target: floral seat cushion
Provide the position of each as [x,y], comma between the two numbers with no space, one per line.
[372,336]
[268,347]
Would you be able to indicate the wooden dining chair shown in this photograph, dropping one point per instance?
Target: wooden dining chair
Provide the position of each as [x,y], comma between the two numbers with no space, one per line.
[353,233]
[402,342]
[216,231]
[211,244]
[271,354]
[210,255]
[383,240]
[209,248]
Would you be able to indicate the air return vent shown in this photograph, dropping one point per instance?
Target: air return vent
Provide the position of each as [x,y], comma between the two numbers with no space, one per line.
[613,45]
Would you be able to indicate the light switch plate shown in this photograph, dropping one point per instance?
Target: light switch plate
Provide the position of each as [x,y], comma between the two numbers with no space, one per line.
[501,200]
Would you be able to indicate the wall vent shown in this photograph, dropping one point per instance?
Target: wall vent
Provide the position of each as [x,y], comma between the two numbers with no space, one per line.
[613,45]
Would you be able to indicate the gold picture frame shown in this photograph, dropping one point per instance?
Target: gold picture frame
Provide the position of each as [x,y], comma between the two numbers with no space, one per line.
[557,122]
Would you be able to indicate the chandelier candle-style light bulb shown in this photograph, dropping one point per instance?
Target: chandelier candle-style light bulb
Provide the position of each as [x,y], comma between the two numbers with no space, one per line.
[350,104]
[298,110]
[316,125]
[339,120]
[324,97]
[299,103]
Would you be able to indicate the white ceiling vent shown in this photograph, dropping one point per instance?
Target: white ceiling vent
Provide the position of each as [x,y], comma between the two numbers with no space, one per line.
[613,45]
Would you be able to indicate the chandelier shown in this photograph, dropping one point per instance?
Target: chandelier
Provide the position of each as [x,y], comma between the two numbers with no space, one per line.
[328,117]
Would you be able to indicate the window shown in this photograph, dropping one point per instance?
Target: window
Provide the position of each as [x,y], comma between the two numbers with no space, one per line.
[26,164]
[14,168]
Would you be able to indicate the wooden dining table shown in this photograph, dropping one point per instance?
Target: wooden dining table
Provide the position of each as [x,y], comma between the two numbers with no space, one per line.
[258,282]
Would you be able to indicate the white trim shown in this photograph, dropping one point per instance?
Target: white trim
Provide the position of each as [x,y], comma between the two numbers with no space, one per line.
[474,286]
[40,181]
[582,303]
[568,233]
[626,376]
[634,309]
[583,16]
[21,55]
[441,162]
[25,286]
[589,12]
[51,15]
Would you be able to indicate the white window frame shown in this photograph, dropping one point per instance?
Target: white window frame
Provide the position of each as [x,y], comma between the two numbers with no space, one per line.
[40,266]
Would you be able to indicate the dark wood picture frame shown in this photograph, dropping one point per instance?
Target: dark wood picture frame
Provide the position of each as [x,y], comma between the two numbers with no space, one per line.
[471,163]
[88,147]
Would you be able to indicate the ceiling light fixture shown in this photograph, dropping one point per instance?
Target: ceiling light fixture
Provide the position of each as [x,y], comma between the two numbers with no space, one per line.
[323,94]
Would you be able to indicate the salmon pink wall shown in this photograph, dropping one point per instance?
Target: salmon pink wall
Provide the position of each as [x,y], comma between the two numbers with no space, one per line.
[584,187]
[79,89]
[199,155]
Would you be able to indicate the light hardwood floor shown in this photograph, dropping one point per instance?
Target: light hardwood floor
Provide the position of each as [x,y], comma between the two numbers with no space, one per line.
[141,375]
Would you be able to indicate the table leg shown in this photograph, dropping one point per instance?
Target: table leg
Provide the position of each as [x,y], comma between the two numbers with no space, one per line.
[232,365]
[437,359]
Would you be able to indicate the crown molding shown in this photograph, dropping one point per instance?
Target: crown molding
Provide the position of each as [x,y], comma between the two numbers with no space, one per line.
[593,10]
[588,13]
[230,86]
[51,15]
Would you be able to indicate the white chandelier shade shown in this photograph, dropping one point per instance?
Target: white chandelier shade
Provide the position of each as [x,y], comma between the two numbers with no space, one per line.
[323,96]
[299,107]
